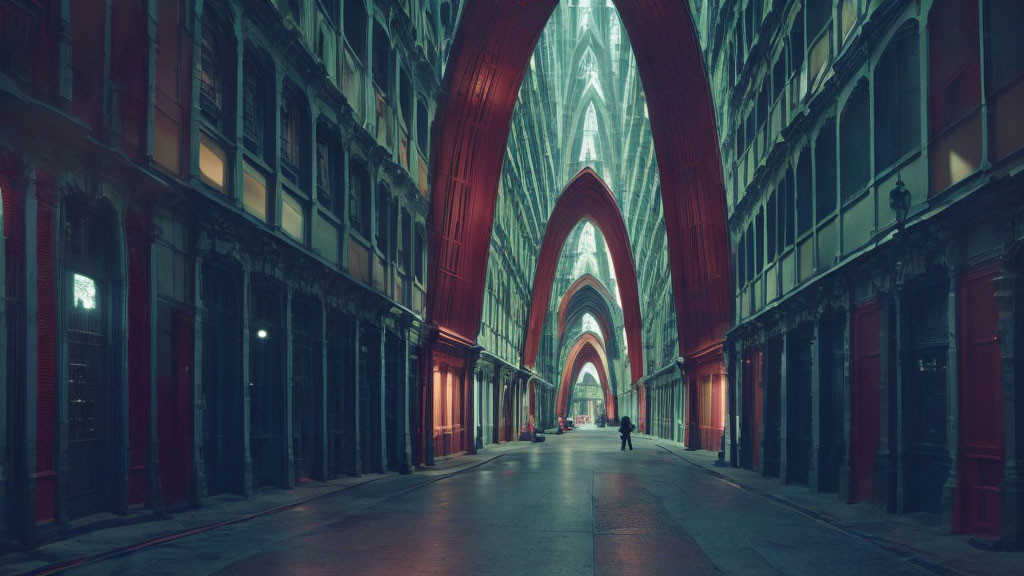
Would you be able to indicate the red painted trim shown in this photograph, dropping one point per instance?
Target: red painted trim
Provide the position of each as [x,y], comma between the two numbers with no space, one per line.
[489,59]
[865,398]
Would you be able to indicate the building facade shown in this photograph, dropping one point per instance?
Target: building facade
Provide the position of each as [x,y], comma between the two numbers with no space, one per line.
[214,254]
[872,158]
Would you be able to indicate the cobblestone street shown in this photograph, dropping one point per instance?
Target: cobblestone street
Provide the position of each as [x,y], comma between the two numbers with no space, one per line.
[573,505]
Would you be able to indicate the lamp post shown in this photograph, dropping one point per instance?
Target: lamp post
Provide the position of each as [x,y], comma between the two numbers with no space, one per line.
[899,203]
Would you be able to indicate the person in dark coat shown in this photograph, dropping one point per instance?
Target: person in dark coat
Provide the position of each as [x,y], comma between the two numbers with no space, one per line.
[625,429]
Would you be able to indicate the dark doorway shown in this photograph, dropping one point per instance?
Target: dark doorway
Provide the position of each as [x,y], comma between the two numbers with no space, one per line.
[91,384]
[307,370]
[865,398]
[341,414]
[266,386]
[174,396]
[831,428]
[394,380]
[753,407]
[773,407]
[798,406]
[370,399]
[222,380]
[926,332]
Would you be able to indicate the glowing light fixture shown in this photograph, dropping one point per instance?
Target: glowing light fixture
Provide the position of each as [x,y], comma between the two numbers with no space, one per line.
[262,334]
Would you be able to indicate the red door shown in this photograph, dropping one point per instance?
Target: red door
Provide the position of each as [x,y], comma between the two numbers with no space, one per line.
[174,394]
[981,405]
[866,398]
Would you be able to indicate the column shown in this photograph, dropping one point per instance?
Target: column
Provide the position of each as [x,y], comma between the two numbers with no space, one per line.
[949,490]
[322,425]
[736,422]
[354,427]
[784,411]
[1011,489]
[246,382]
[198,479]
[844,467]
[404,413]
[816,362]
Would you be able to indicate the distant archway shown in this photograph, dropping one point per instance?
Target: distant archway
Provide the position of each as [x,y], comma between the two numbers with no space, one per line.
[489,58]
[586,349]
[587,294]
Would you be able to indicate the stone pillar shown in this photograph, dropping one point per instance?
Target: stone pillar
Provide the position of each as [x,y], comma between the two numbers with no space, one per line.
[844,467]
[469,399]
[246,383]
[382,394]
[404,413]
[357,432]
[816,362]
[784,411]
[198,479]
[322,425]
[1011,489]
[289,450]
[949,490]
[736,410]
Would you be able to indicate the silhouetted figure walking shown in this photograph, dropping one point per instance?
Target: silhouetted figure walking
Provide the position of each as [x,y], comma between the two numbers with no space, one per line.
[625,429]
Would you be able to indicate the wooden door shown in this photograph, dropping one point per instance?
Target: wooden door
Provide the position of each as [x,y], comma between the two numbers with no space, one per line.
[865,399]
[174,395]
[981,405]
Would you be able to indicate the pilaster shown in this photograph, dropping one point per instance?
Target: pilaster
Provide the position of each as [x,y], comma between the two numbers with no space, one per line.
[1011,489]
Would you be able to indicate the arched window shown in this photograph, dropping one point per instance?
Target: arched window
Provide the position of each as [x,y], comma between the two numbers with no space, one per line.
[211,78]
[381,60]
[804,194]
[897,98]
[291,133]
[359,198]
[383,199]
[586,252]
[825,170]
[421,253]
[422,126]
[854,143]
[771,223]
[589,324]
[253,103]
[588,147]
[759,242]
[326,162]
[355,27]
[847,16]
[786,212]
[954,91]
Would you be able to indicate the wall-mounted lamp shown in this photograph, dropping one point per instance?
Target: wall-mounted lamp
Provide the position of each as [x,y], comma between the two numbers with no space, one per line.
[899,202]
[262,334]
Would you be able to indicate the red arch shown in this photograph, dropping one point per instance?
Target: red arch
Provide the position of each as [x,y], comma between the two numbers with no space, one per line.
[587,294]
[489,59]
[586,349]
[586,197]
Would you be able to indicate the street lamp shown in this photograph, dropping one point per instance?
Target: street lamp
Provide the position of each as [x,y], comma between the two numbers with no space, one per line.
[899,202]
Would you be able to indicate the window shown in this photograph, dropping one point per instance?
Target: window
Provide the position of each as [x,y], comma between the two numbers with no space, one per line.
[855,169]
[748,237]
[359,199]
[897,99]
[759,241]
[325,168]
[381,60]
[212,163]
[588,147]
[770,221]
[421,248]
[291,122]
[253,103]
[293,217]
[405,98]
[422,127]
[404,236]
[211,79]
[847,17]
[825,171]
[355,27]
[786,212]
[954,91]
[804,194]
[1005,72]
[741,262]
[383,198]
[254,192]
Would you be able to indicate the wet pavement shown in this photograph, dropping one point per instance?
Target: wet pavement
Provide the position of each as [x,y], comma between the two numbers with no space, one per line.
[575,504]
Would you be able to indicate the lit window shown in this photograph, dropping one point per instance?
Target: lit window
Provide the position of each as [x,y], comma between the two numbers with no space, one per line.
[85,292]
[589,324]
[293,221]
[254,193]
[211,83]
[212,162]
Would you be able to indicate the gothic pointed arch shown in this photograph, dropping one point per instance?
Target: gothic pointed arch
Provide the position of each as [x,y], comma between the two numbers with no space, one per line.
[587,349]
